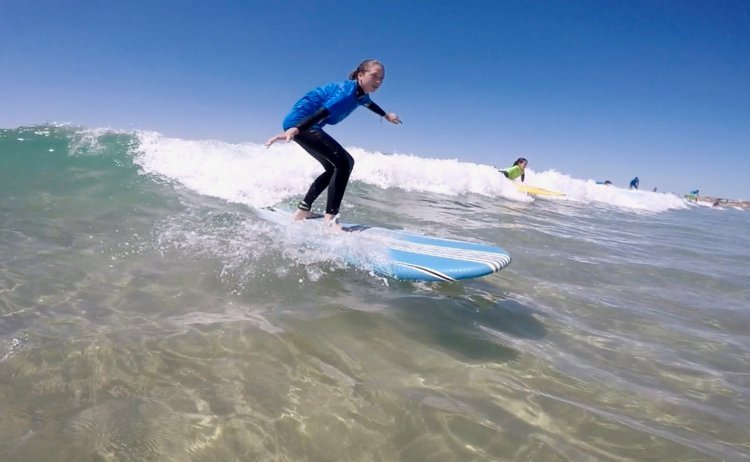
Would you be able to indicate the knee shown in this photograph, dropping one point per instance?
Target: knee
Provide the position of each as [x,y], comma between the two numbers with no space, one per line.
[345,162]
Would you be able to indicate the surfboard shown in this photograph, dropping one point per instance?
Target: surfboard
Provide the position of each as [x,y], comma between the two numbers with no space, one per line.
[405,255]
[535,191]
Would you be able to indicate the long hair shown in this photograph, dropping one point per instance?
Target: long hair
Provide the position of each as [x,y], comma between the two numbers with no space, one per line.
[364,66]
[519,160]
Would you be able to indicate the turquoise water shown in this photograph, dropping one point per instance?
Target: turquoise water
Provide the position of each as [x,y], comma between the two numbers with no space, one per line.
[148,313]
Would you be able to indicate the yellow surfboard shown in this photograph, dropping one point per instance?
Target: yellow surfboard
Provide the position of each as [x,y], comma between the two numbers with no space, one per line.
[533,190]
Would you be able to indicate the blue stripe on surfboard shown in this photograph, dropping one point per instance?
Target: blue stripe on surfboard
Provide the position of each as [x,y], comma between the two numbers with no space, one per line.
[437,259]
[494,260]
[446,266]
[423,272]
[444,256]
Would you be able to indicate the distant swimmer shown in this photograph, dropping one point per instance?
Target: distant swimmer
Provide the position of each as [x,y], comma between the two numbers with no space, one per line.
[517,169]
[634,183]
[328,105]
[605,182]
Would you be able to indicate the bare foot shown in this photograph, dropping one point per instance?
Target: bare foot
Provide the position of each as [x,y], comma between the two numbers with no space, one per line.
[332,223]
[300,214]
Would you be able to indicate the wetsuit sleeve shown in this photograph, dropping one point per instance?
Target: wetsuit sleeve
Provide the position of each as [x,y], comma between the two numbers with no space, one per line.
[314,119]
[375,108]
[523,177]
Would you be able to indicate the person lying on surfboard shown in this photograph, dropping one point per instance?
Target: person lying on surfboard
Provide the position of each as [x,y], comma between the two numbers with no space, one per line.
[330,104]
[516,170]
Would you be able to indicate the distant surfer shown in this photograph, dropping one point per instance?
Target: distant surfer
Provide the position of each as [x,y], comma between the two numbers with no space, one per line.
[605,182]
[634,183]
[517,169]
[330,104]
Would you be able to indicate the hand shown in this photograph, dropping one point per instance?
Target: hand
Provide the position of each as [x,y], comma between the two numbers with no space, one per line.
[286,136]
[392,118]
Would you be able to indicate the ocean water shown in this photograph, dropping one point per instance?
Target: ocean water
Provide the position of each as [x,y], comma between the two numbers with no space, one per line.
[148,313]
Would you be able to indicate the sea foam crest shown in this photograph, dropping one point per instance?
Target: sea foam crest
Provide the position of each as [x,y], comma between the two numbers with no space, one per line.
[254,175]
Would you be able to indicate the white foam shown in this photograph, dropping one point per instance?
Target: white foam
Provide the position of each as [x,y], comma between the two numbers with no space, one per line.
[250,174]
[588,191]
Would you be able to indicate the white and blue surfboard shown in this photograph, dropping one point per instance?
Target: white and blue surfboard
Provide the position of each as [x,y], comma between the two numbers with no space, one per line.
[410,256]
[424,258]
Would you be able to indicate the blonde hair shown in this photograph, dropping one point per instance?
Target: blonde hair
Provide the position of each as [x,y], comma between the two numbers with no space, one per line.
[364,66]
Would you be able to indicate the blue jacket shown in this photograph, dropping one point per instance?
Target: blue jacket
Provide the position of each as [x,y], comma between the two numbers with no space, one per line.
[340,98]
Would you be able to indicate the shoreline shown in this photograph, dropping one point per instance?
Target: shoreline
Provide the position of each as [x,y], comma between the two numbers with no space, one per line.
[720,202]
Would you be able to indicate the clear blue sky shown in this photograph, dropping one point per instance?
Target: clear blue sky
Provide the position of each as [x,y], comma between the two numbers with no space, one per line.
[602,89]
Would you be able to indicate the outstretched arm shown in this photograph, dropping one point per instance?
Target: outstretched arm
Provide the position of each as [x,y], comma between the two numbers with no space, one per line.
[306,124]
[390,117]
[286,136]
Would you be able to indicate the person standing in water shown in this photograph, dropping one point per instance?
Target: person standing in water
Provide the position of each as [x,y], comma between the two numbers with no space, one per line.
[517,169]
[328,105]
[634,183]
